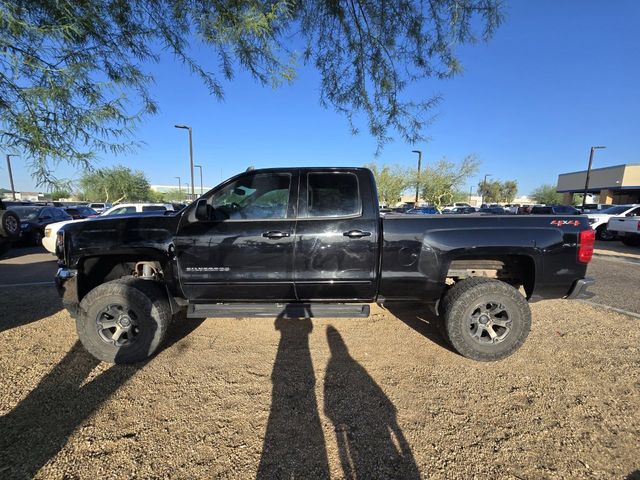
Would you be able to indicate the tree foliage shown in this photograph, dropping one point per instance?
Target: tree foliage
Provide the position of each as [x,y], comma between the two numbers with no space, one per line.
[60,193]
[546,194]
[498,191]
[441,182]
[115,185]
[391,182]
[74,75]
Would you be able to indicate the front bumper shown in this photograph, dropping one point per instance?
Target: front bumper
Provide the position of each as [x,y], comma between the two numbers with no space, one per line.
[579,289]
[67,286]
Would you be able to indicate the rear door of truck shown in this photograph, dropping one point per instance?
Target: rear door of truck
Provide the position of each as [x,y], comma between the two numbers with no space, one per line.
[336,240]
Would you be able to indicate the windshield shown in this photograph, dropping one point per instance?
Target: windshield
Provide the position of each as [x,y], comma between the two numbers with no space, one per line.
[26,213]
[617,210]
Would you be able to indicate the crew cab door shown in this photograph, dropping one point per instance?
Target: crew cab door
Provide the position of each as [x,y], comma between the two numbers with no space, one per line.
[336,240]
[244,250]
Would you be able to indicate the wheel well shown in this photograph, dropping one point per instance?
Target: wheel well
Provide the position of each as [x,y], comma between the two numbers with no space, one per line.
[94,271]
[516,270]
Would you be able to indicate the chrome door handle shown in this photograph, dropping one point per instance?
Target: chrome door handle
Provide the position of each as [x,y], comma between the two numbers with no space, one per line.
[356,234]
[275,234]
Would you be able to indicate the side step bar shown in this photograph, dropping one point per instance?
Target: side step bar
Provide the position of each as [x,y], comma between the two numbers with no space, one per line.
[282,310]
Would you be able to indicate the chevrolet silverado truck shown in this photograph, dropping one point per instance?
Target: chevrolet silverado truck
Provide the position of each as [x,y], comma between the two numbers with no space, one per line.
[310,242]
[627,227]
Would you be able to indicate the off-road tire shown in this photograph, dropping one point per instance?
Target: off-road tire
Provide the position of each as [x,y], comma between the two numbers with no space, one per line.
[9,225]
[148,303]
[603,234]
[631,241]
[462,300]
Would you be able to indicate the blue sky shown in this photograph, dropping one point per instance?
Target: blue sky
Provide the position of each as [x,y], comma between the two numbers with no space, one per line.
[557,78]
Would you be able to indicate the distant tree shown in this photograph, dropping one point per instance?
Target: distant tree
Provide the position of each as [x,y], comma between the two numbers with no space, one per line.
[509,190]
[493,191]
[58,194]
[73,84]
[546,194]
[440,182]
[391,181]
[115,185]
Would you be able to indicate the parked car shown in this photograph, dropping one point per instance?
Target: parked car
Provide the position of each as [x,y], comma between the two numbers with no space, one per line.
[555,210]
[493,211]
[524,210]
[461,210]
[34,219]
[100,207]
[80,211]
[423,211]
[50,232]
[599,221]
[626,227]
[455,205]
[310,242]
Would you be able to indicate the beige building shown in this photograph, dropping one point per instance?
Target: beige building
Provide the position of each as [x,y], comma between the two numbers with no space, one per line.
[613,185]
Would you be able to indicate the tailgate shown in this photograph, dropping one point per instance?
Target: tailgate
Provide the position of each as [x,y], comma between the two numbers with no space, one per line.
[625,224]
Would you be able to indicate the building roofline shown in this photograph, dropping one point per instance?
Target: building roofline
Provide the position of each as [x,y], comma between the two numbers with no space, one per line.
[624,165]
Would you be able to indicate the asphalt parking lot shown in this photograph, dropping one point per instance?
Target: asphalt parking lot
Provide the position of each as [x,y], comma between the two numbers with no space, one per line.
[352,398]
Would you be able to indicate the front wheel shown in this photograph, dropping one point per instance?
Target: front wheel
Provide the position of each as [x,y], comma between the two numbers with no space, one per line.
[603,234]
[485,319]
[123,322]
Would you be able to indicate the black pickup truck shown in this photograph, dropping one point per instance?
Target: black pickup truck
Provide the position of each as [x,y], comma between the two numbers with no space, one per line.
[310,242]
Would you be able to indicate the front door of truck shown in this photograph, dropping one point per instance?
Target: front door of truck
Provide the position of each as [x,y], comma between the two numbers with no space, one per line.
[244,251]
[336,237]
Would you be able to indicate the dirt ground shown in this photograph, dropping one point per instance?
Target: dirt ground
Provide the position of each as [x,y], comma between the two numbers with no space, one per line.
[354,398]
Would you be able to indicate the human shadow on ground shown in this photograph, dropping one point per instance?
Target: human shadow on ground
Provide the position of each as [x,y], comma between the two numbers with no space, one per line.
[294,445]
[40,425]
[421,319]
[371,444]
[23,305]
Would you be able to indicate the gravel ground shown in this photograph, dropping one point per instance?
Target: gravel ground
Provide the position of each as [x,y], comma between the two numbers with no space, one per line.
[355,398]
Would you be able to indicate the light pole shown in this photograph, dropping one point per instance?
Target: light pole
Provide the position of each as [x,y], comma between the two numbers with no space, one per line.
[179,185]
[419,152]
[201,187]
[13,190]
[186,127]
[586,182]
[484,187]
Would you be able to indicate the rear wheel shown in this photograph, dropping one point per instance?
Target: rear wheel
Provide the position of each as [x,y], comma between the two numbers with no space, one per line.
[123,322]
[485,319]
[603,234]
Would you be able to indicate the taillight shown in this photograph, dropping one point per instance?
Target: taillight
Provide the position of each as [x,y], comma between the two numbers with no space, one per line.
[585,245]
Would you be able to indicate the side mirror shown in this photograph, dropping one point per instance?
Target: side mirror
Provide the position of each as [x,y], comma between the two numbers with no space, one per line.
[202,213]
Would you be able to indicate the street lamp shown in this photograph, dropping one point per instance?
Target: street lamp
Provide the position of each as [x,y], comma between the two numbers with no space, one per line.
[179,185]
[484,186]
[186,127]
[419,152]
[586,182]
[201,187]
[13,190]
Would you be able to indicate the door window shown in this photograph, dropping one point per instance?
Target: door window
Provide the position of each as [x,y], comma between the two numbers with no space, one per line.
[333,195]
[154,208]
[123,211]
[262,196]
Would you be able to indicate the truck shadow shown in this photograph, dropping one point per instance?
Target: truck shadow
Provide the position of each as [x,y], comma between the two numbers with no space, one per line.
[40,425]
[370,442]
[421,319]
